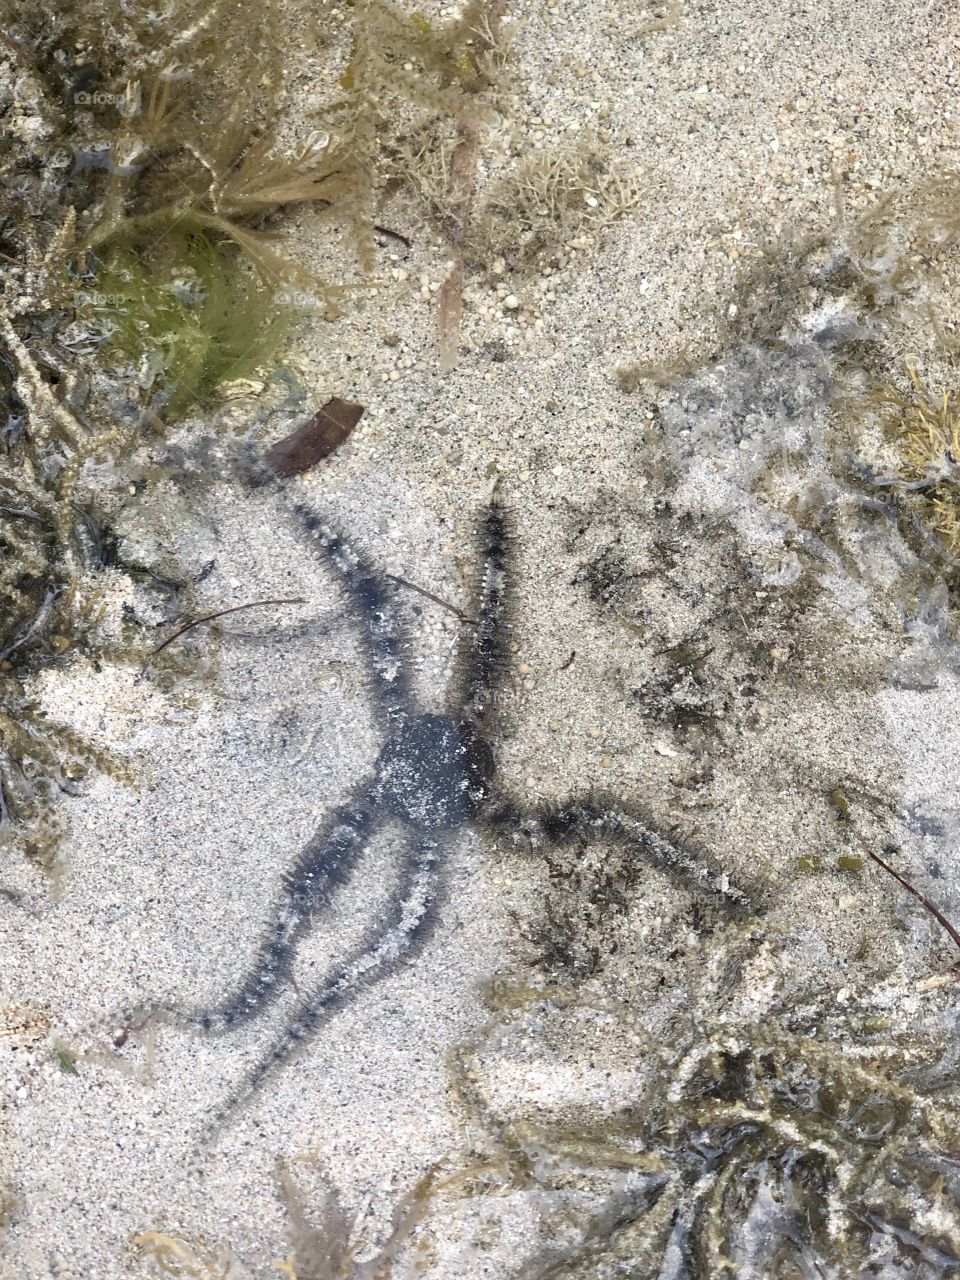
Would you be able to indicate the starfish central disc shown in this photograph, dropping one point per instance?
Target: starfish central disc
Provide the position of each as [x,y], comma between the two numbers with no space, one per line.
[434,772]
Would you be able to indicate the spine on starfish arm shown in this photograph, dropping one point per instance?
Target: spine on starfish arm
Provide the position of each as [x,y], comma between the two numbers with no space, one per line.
[574,819]
[675,854]
[487,647]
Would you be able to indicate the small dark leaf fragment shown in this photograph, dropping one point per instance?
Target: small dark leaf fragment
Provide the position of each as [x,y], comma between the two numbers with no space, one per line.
[325,431]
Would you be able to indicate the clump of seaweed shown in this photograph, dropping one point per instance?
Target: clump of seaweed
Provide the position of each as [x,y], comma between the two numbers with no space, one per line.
[64,596]
[419,99]
[167,115]
[169,125]
[774,1130]
[176,1256]
[924,430]
[791,1153]
[548,199]
[52,601]
[322,1236]
[39,760]
[422,97]
[186,315]
[195,147]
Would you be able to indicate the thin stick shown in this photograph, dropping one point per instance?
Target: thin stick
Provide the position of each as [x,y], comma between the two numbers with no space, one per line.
[222,613]
[921,898]
[428,595]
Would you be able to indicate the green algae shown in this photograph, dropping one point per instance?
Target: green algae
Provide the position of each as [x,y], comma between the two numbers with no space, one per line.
[188,317]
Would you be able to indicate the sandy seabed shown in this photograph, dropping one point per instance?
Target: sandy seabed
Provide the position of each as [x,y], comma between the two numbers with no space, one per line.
[739,116]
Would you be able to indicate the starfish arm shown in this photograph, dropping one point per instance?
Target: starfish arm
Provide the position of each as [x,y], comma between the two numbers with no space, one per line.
[485,650]
[322,866]
[390,944]
[375,603]
[577,818]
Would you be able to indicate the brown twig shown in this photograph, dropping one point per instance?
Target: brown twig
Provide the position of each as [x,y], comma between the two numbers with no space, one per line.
[428,595]
[222,613]
[921,898]
[463,181]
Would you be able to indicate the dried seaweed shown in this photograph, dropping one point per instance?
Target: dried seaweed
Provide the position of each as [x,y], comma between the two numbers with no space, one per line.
[924,431]
[548,199]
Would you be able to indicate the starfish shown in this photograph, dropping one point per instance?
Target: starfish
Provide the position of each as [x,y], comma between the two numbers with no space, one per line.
[434,776]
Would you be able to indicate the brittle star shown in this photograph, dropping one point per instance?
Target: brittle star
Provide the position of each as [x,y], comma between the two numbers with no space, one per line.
[434,776]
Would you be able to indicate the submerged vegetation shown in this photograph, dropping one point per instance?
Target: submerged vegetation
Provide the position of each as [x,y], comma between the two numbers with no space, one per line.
[781,1125]
[321,1234]
[774,1128]
[186,314]
[549,199]
[76,191]
[924,431]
